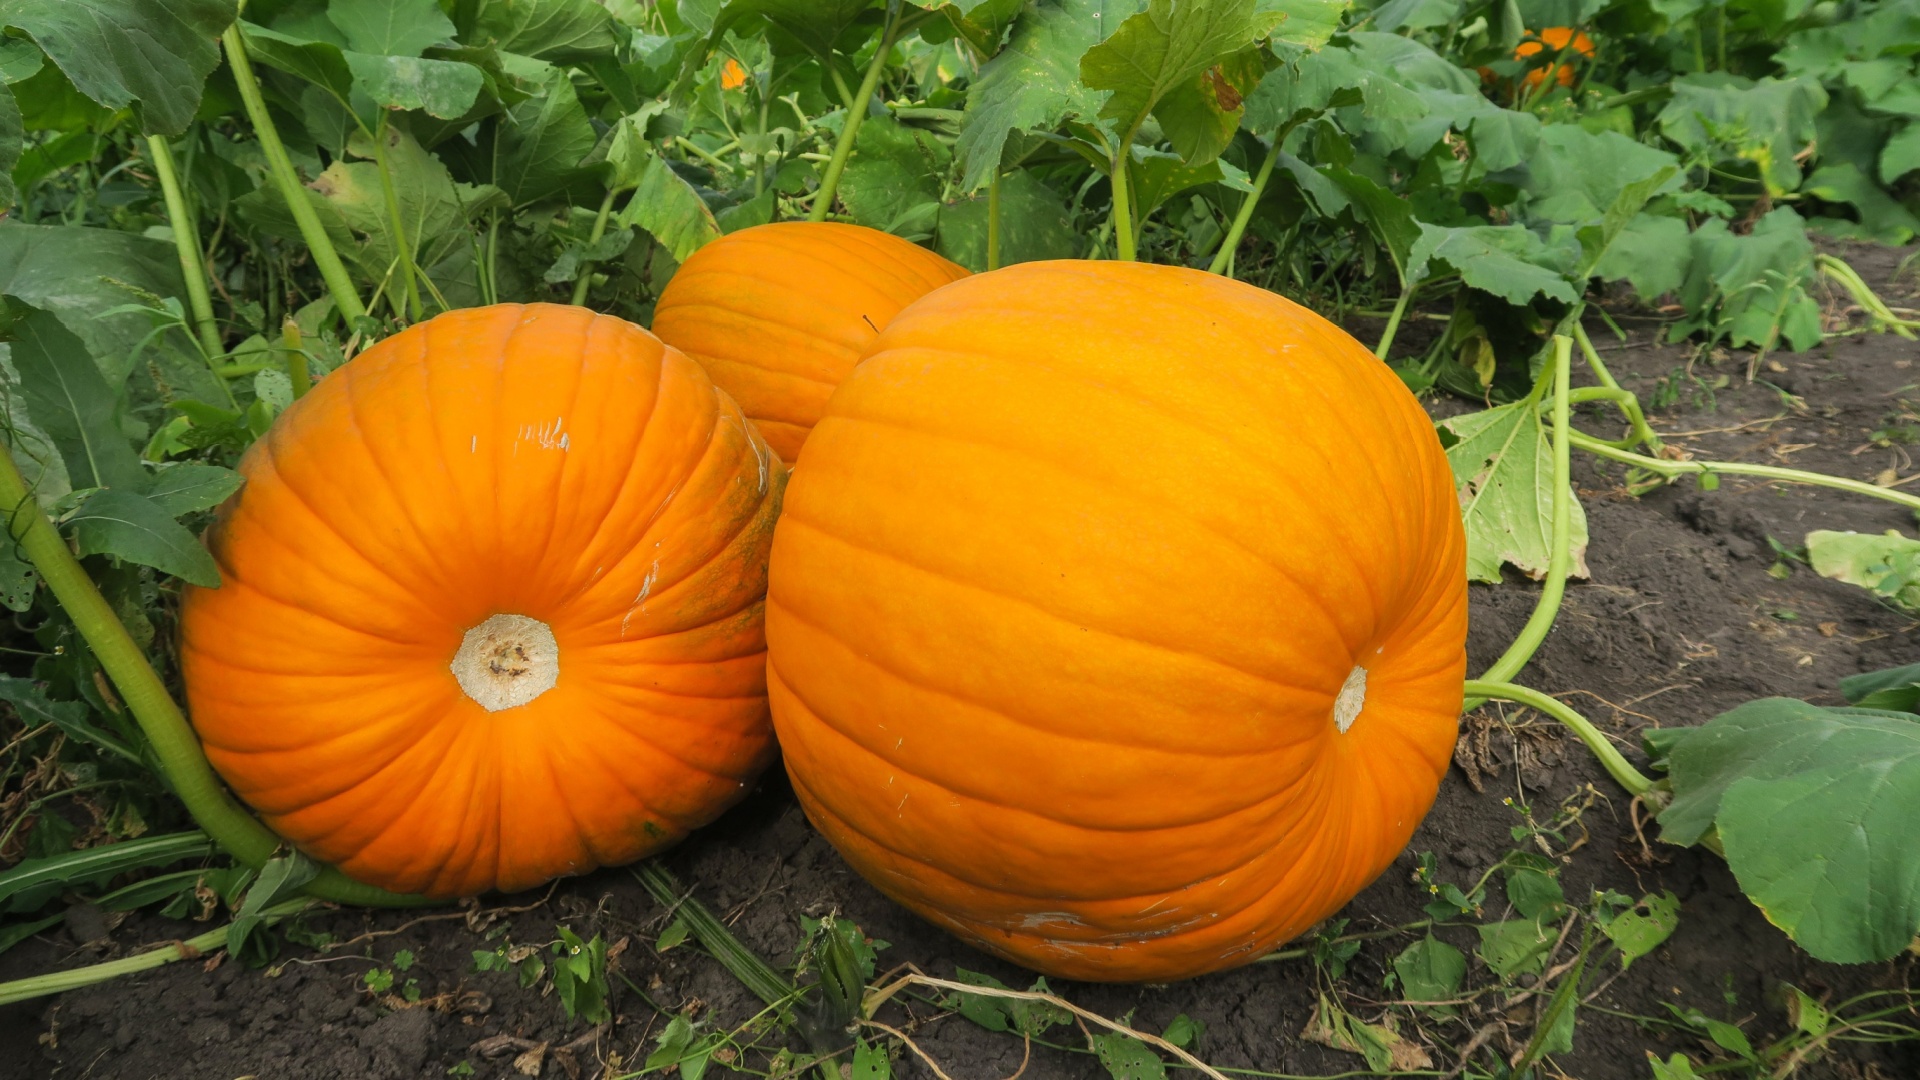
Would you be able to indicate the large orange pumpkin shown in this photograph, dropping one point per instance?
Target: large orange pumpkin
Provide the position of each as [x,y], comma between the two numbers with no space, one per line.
[1117,618]
[779,314]
[491,605]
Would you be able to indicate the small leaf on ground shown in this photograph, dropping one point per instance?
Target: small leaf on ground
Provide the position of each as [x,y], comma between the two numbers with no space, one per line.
[1502,462]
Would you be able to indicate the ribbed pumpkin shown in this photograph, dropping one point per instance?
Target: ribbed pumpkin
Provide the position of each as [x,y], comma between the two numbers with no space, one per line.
[491,605]
[779,314]
[1117,618]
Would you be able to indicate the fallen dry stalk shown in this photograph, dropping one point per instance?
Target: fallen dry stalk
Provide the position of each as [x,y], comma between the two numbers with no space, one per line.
[879,997]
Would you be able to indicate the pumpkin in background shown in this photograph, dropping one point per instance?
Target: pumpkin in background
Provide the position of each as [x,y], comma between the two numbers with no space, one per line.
[779,314]
[491,605]
[1553,40]
[1116,622]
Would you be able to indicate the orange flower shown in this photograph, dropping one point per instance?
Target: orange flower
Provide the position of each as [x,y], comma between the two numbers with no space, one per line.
[1554,39]
[732,76]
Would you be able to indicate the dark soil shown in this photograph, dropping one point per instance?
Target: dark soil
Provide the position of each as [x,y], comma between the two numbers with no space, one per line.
[1679,622]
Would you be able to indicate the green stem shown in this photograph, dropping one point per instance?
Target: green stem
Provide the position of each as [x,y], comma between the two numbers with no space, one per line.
[1616,765]
[746,965]
[993,221]
[186,241]
[296,358]
[586,265]
[1844,273]
[1393,321]
[325,258]
[1629,404]
[1122,200]
[856,112]
[493,250]
[1224,257]
[403,248]
[181,760]
[1547,607]
[191,949]
[1667,470]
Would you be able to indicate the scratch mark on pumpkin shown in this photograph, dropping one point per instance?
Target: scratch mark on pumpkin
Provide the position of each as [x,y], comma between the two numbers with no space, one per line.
[639,602]
[474,448]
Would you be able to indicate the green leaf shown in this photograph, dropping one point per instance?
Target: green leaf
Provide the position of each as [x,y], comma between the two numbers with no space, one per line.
[1389,216]
[1882,217]
[80,274]
[869,1061]
[1127,1058]
[1509,261]
[321,63]
[1166,46]
[279,879]
[1676,1067]
[1641,928]
[542,142]
[1649,253]
[561,31]
[675,933]
[1157,176]
[1396,15]
[1576,176]
[153,56]
[1430,970]
[1516,947]
[18,579]
[34,708]
[390,27]
[1534,894]
[1184,1031]
[185,487]
[1815,810]
[1200,115]
[1034,82]
[668,207]
[1311,83]
[131,527]
[1502,462]
[1304,23]
[92,865]
[818,25]
[1901,155]
[19,60]
[1032,1018]
[1725,117]
[1752,289]
[1034,224]
[1891,690]
[69,399]
[1887,564]
[443,88]
[12,142]
[894,179]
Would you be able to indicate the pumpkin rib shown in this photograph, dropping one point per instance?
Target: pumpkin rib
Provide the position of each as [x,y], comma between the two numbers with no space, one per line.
[1257,808]
[579,374]
[816,804]
[300,497]
[1244,454]
[1262,558]
[1036,608]
[759,353]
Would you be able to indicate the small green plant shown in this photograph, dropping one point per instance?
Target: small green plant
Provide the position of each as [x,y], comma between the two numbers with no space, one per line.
[580,976]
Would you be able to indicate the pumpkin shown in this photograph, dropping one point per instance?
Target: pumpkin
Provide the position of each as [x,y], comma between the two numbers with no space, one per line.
[1553,40]
[1116,621]
[779,314]
[491,605]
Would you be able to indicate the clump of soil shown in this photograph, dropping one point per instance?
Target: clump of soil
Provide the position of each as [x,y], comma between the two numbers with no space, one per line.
[1680,621]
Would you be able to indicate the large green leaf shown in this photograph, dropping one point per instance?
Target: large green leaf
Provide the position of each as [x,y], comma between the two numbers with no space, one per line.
[79,274]
[1882,218]
[539,147]
[132,527]
[1892,689]
[443,88]
[1430,970]
[1307,84]
[1725,117]
[321,63]
[1815,809]
[1752,289]
[1166,46]
[1575,176]
[1650,253]
[818,25]
[1502,462]
[12,141]
[1034,82]
[1508,261]
[1887,564]
[188,486]
[390,27]
[1304,23]
[1034,224]
[666,205]
[1387,214]
[894,179]
[563,31]
[153,56]
[1901,155]
[69,399]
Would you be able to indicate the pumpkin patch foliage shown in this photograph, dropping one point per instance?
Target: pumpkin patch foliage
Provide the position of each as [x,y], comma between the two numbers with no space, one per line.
[400,399]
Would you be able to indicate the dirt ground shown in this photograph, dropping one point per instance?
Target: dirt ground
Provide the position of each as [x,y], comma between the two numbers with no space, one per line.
[1679,622]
